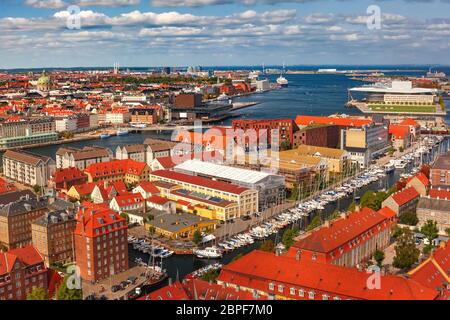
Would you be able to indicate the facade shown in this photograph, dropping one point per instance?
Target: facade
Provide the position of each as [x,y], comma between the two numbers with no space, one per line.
[214,192]
[401,136]
[135,152]
[117,117]
[82,158]
[128,171]
[271,189]
[27,168]
[127,203]
[365,142]
[147,115]
[64,179]
[188,100]
[349,240]
[320,135]
[21,269]
[66,124]
[101,246]
[440,171]
[286,130]
[435,209]
[402,201]
[27,132]
[419,182]
[52,236]
[16,218]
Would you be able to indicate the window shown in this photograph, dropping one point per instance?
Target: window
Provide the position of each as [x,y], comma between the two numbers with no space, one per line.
[301,293]
[311,294]
[292,291]
[325,297]
[271,286]
[280,288]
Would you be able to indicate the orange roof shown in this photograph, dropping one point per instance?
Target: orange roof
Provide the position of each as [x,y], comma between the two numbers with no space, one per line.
[347,122]
[409,122]
[441,193]
[87,188]
[258,269]
[200,181]
[6,186]
[421,177]
[341,231]
[116,167]
[398,131]
[97,220]
[406,195]
[28,255]
[148,187]
[68,174]
[435,271]
[129,199]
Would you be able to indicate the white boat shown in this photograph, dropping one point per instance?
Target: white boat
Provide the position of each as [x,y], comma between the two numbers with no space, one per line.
[282,81]
[208,253]
[138,125]
[122,132]
[400,164]
[223,97]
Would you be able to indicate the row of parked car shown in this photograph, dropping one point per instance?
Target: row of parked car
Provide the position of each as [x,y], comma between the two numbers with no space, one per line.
[124,284]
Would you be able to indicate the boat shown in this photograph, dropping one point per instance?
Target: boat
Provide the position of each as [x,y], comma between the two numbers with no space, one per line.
[400,164]
[138,125]
[223,97]
[281,80]
[122,132]
[105,135]
[208,253]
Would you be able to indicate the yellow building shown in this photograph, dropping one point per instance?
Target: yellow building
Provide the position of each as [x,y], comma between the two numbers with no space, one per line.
[229,201]
[337,159]
[180,226]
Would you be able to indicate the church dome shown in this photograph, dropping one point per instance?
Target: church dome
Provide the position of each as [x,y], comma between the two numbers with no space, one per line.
[43,80]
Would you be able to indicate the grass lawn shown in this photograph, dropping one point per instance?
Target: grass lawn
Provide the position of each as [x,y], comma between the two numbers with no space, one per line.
[401,108]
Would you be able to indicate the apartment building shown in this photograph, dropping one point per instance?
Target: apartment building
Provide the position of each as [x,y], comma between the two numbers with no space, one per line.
[28,168]
[82,158]
[52,236]
[440,171]
[435,209]
[136,152]
[128,171]
[16,218]
[101,245]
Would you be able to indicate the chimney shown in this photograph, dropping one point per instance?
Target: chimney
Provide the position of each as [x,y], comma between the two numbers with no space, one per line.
[328,224]
[344,215]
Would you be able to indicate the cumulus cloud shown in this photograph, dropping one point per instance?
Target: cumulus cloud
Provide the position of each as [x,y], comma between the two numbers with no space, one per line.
[57,4]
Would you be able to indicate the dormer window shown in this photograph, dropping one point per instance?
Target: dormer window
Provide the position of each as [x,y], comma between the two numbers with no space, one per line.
[292,291]
[271,286]
[280,288]
[311,294]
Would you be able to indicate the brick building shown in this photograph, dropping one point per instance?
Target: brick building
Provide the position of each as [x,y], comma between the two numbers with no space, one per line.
[101,246]
[20,270]
[320,135]
[16,218]
[440,172]
[52,236]
[402,201]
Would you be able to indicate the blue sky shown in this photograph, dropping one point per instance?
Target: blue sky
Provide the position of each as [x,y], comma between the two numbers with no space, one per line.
[222,32]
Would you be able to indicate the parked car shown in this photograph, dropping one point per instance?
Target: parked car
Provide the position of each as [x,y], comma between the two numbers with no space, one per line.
[132,279]
[116,288]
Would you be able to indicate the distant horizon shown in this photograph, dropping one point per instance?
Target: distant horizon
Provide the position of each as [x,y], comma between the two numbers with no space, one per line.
[434,66]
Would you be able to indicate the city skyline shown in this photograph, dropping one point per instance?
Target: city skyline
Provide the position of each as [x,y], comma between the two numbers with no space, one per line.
[141,33]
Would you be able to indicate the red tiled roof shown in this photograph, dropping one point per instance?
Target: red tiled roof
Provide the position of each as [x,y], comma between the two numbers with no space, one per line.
[200,181]
[341,231]
[96,216]
[398,131]
[28,255]
[348,122]
[158,200]
[434,271]
[174,291]
[68,174]
[119,186]
[422,178]
[87,188]
[441,193]
[115,167]
[387,212]
[409,122]
[149,187]
[406,195]
[258,269]
[129,199]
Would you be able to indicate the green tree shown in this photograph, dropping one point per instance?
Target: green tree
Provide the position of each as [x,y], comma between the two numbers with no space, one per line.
[315,222]
[197,237]
[37,294]
[210,275]
[379,257]
[294,192]
[447,231]
[125,216]
[406,253]
[268,246]
[64,293]
[36,189]
[430,230]
[289,235]
[151,231]
[352,207]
